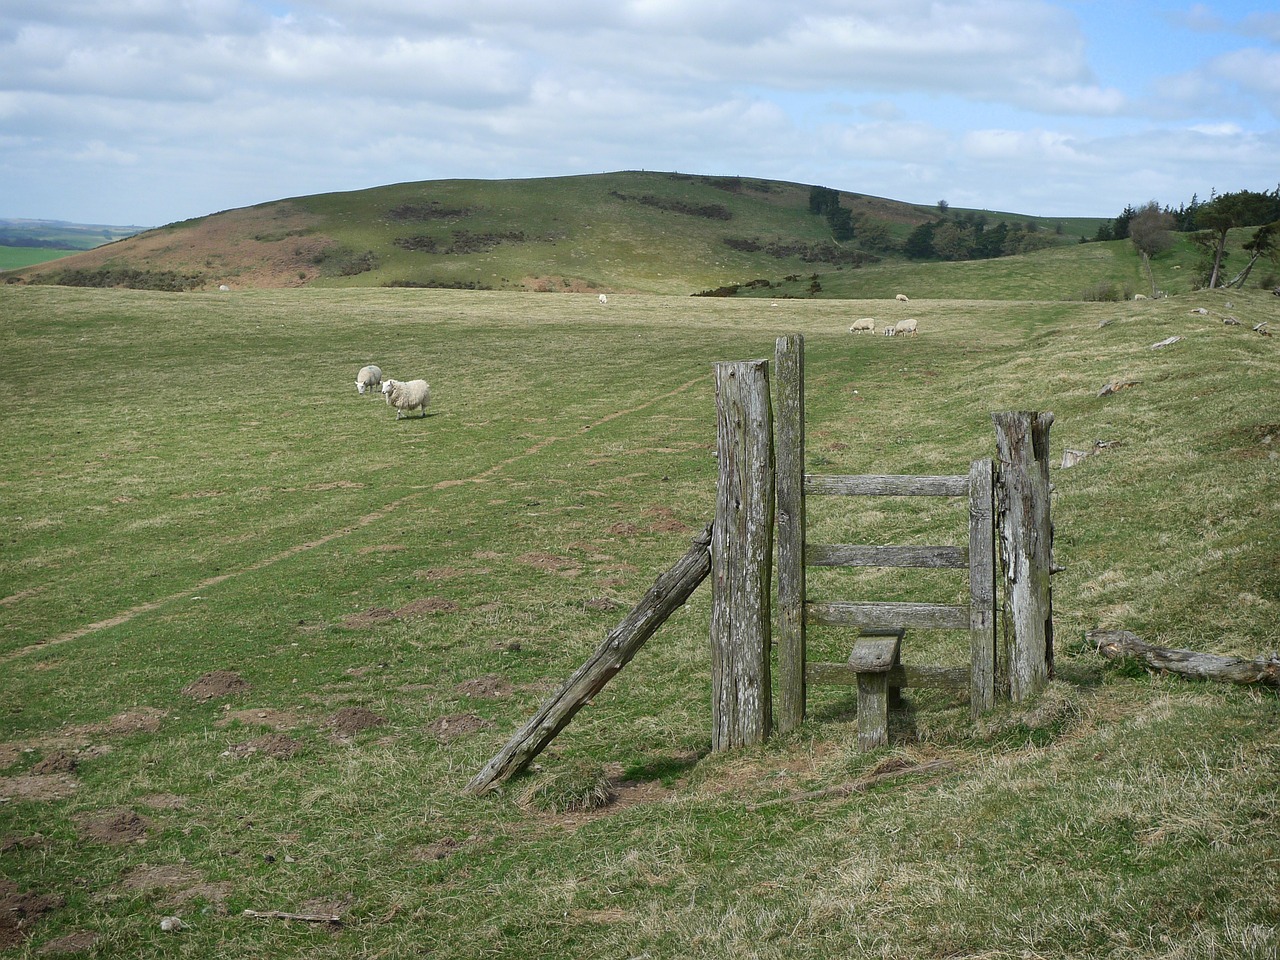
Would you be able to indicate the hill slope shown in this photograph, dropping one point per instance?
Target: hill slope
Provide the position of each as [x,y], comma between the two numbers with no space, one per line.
[617,232]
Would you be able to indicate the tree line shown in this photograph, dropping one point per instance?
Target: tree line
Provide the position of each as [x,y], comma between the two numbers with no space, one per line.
[1208,224]
[966,236]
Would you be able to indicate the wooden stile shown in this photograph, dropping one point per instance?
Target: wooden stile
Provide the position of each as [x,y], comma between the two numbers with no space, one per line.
[742,558]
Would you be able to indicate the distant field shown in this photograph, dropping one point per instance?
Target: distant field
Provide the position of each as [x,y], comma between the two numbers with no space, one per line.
[13,258]
[256,634]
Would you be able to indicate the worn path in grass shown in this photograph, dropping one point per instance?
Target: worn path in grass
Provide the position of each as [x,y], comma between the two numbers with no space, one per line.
[364,521]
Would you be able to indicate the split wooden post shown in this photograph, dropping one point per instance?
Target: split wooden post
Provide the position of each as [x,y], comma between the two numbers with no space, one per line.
[789,394]
[666,596]
[1026,549]
[742,557]
[982,588]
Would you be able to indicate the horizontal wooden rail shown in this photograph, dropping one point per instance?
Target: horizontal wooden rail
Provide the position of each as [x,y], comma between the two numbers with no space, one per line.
[857,555]
[875,485]
[921,616]
[904,675]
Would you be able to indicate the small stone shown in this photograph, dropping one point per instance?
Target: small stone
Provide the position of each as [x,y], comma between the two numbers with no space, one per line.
[171,924]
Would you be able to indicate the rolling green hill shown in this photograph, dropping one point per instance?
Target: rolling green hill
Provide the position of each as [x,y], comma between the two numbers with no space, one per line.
[639,232]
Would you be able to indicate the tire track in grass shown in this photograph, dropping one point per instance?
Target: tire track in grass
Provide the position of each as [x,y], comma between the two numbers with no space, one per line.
[152,605]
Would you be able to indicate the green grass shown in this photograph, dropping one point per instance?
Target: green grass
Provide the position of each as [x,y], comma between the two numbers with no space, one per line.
[15,258]
[192,484]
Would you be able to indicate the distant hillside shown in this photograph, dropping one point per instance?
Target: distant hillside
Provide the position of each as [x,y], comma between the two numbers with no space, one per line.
[618,232]
[60,235]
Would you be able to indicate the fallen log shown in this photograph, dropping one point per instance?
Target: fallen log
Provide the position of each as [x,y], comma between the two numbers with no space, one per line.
[666,596]
[1121,644]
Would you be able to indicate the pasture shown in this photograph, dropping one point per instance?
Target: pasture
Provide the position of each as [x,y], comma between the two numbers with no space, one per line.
[256,635]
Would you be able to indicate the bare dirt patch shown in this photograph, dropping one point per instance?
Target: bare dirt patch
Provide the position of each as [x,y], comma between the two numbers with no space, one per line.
[113,826]
[457,725]
[276,745]
[78,941]
[369,618]
[20,911]
[179,882]
[490,686]
[10,753]
[349,721]
[22,843]
[57,762]
[53,786]
[215,685]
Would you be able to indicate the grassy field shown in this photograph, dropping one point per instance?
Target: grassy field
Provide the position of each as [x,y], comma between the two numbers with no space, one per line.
[256,634]
[14,258]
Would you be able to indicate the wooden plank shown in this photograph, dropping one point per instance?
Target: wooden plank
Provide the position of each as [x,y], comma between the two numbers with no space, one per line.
[742,558]
[874,654]
[666,595]
[982,588]
[1026,547]
[859,555]
[789,454]
[873,710]
[924,616]
[876,485]
[903,675]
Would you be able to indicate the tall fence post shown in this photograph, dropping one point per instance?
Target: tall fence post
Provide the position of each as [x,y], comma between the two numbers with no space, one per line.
[982,588]
[1026,548]
[742,557]
[789,390]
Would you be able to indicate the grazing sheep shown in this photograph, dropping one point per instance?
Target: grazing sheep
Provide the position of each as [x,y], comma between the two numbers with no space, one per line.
[411,395]
[368,378]
[1140,296]
[866,323]
[905,327]
[603,298]
[890,330]
[902,298]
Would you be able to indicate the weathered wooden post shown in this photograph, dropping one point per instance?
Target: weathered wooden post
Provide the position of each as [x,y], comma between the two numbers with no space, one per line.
[789,393]
[1026,549]
[666,596]
[741,557]
[982,588]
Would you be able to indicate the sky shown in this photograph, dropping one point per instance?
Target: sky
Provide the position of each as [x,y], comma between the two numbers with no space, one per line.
[147,112]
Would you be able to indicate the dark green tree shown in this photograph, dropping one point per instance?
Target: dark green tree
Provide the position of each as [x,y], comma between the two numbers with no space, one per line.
[919,244]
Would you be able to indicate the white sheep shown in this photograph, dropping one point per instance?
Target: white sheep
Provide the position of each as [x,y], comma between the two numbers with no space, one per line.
[368,378]
[901,298]
[410,395]
[889,331]
[603,298]
[866,323]
[905,327]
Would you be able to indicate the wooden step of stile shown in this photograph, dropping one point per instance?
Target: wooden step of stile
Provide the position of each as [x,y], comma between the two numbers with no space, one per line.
[875,653]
